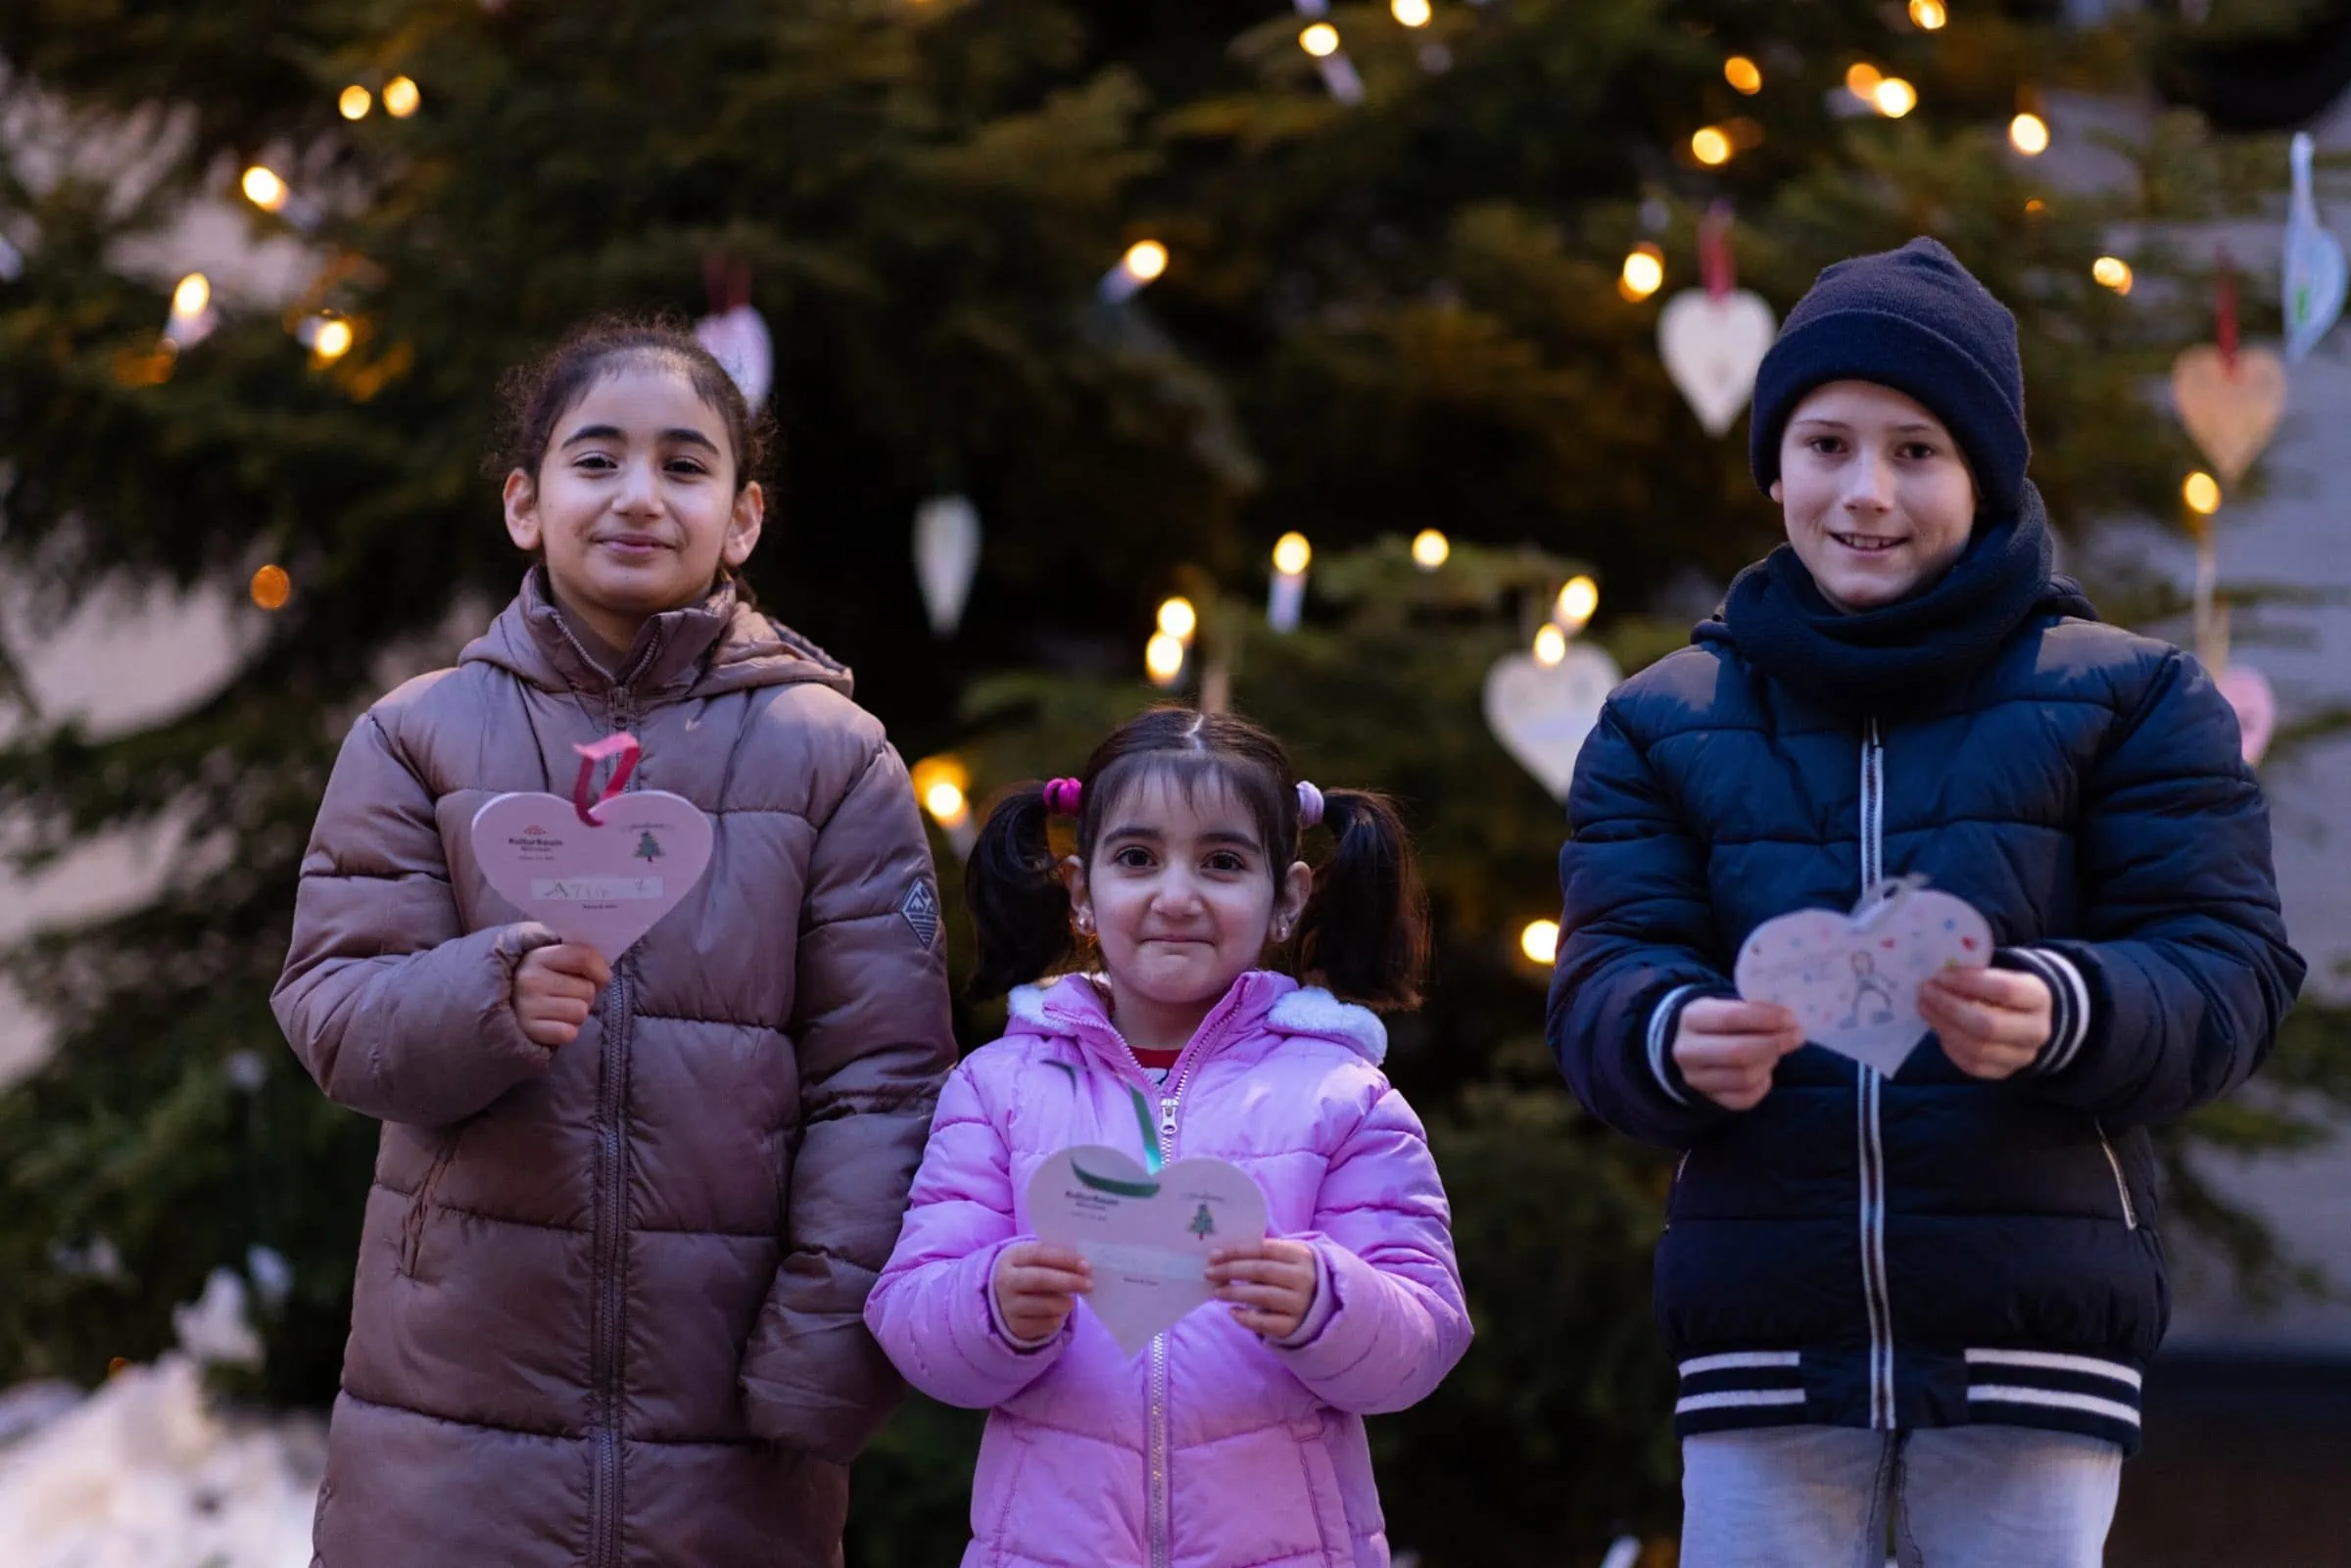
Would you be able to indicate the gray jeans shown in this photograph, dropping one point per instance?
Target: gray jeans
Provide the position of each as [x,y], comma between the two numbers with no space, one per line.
[1974,1496]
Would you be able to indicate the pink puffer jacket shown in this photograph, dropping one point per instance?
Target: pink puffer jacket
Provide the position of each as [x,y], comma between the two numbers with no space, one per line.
[1213,1449]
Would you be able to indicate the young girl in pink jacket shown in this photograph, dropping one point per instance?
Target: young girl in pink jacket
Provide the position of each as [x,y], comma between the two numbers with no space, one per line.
[1237,1438]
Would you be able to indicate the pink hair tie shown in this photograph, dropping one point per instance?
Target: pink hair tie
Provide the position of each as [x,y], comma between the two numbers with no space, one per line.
[1062,796]
[1310,804]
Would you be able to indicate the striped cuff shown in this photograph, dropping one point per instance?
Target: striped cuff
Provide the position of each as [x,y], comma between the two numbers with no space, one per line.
[2069,1004]
[1661,1040]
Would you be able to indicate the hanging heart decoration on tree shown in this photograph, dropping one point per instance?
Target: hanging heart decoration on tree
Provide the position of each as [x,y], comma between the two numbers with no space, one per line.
[2229,399]
[2249,693]
[946,555]
[1542,713]
[1713,339]
[2312,293]
[735,333]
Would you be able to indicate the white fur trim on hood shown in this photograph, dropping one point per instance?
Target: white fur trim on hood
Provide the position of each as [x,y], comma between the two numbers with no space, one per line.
[1309,1010]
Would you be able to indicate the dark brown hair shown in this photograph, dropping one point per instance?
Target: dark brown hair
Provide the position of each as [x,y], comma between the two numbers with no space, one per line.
[537,394]
[1364,930]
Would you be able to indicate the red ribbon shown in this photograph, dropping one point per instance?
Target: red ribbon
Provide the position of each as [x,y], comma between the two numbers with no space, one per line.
[2225,313]
[623,746]
[1714,265]
[729,279]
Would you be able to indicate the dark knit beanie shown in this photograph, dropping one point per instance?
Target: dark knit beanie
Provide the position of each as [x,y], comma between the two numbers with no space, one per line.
[1913,319]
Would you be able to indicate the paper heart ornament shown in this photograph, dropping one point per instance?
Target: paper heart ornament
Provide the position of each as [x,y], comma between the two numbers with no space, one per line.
[739,341]
[1853,978]
[1147,1236]
[2313,291]
[2248,692]
[947,554]
[602,875]
[1542,714]
[2230,411]
[1712,346]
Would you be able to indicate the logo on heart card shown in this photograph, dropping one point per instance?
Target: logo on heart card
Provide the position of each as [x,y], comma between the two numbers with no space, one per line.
[1147,1236]
[1853,978]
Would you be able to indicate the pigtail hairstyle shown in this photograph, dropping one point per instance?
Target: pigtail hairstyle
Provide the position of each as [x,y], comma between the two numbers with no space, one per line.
[1364,931]
[1020,906]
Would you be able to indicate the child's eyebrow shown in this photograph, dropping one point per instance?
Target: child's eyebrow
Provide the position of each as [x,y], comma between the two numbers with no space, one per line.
[683,435]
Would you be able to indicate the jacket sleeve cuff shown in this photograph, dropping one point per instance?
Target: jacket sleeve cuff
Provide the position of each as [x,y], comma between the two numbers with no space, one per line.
[2069,1004]
[1663,1021]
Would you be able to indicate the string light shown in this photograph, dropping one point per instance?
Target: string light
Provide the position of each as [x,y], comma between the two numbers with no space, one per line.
[1861,79]
[1319,41]
[2034,207]
[1710,146]
[943,785]
[1550,645]
[1928,16]
[1744,74]
[332,341]
[1895,96]
[1286,596]
[2202,492]
[1177,618]
[355,102]
[1292,554]
[1411,13]
[1577,601]
[1540,941]
[2029,134]
[401,97]
[194,293]
[264,190]
[271,588]
[1163,659]
[2113,272]
[1144,260]
[1430,550]
[1644,273]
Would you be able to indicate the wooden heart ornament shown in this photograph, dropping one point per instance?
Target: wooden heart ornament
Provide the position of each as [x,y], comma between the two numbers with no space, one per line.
[1712,345]
[2231,410]
[1542,714]
[1853,980]
[602,875]
[1147,1235]
[2248,692]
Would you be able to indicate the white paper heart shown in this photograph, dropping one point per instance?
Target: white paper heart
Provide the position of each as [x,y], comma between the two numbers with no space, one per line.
[2313,286]
[2248,692]
[739,340]
[1542,715]
[1853,980]
[2231,414]
[1712,347]
[605,885]
[1147,1237]
[947,554]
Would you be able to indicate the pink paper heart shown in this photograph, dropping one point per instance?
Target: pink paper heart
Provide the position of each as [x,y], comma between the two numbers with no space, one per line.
[2230,411]
[603,885]
[2248,692]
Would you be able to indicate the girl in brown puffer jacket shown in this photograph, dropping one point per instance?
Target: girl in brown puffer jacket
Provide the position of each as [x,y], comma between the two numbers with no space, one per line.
[624,1217]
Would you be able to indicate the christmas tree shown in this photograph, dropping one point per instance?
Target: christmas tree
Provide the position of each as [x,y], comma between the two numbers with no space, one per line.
[1395,288]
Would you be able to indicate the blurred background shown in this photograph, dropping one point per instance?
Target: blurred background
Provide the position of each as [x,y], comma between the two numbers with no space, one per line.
[1376,369]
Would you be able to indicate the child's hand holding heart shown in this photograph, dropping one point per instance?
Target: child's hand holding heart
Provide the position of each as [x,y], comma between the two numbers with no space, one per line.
[1991,1023]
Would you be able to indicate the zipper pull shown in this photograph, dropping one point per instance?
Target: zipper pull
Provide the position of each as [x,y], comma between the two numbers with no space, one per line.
[1167,1117]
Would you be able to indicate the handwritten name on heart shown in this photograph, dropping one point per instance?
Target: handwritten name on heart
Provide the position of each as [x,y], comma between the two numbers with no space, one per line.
[1853,980]
[605,885]
[1147,1237]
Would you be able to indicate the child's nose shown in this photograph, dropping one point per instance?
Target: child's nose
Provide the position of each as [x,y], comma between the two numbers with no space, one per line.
[1869,486]
[638,491]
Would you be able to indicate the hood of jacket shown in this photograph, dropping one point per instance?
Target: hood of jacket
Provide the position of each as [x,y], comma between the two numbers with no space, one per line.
[1076,1007]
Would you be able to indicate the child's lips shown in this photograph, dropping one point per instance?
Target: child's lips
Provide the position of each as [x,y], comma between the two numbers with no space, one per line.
[1868,544]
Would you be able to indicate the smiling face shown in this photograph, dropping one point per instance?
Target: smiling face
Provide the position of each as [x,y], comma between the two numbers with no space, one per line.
[1182,896]
[1876,494]
[634,504]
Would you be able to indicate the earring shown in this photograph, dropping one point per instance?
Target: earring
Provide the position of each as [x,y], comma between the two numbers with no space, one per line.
[1084,923]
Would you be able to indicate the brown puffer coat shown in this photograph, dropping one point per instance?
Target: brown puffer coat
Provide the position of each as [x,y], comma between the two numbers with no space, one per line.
[607,1309]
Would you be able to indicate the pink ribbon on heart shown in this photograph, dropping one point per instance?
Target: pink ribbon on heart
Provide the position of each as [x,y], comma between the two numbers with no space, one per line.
[623,746]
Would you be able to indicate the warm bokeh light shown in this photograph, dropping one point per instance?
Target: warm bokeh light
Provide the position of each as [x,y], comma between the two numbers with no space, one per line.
[401,97]
[1744,74]
[1319,41]
[2029,134]
[1291,552]
[1894,98]
[355,102]
[1430,550]
[264,190]
[1644,273]
[2112,272]
[271,588]
[1710,146]
[1163,659]
[194,293]
[2202,492]
[1540,941]
[943,785]
[2034,207]
[1177,618]
[1411,13]
[1146,260]
[1928,16]
[333,341]
[1550,645]
[1577,601]
[1861,79]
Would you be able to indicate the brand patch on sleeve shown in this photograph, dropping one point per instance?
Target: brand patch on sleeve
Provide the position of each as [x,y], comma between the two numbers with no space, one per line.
[920,906]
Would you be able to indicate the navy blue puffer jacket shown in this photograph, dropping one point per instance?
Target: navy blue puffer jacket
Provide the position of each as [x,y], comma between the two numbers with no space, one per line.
[1929,1249]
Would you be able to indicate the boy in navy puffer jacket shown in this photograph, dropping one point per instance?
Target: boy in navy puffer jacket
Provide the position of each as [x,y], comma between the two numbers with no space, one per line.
[1925,1299]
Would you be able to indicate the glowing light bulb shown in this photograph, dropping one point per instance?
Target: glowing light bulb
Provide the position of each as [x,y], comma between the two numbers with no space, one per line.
[1163,659]
[1928,16]
[1540,941]
[1550,645]
[1411,13]
[1577,601]
[1894,98]
[1710,147]
[945,802]
[2112,272]
[1430,550]
[332,340]
[1146,260]
[1319,41]
[401,97]
[943,785]
[1744,74]
[355,102]
[194,293]
[2029,134]
[1291,553]
[271,588]
[2202,492]
[1861,79]
[264,190]
[1644,273]
[2034,207]
[1177,618]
